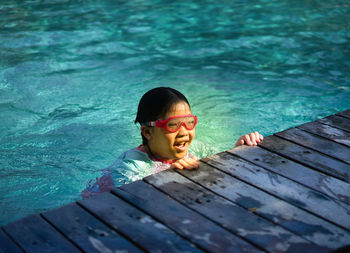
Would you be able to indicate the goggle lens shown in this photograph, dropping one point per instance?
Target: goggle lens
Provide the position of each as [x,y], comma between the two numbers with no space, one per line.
[175,123]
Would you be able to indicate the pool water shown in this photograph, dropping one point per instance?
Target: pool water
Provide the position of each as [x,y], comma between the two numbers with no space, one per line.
[72,73]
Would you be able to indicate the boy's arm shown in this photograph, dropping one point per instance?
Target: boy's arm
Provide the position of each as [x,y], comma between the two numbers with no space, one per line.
[99,185]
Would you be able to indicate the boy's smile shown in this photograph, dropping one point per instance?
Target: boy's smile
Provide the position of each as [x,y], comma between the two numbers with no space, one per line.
[167,145]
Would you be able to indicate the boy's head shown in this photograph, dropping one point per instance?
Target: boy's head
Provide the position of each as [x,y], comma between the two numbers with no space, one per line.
[160,104]
[155,103]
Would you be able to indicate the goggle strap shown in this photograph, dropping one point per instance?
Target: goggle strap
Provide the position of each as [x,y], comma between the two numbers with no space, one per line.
[151,123]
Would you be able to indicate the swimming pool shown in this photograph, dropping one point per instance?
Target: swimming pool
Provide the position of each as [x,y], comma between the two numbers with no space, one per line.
[72,73]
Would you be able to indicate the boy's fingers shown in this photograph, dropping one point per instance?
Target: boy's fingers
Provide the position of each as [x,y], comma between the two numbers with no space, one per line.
[261,137]
[254,138]
[240,141]
[192,161]
[193,164]
[177,165]
[251,139]
[248,140]
[189,163]
[257,136]
[183,163]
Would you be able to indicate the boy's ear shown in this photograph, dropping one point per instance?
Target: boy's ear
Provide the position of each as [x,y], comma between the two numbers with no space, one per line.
[146,131]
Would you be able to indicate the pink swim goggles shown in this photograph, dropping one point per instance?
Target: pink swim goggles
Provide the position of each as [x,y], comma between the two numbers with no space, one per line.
[173,124]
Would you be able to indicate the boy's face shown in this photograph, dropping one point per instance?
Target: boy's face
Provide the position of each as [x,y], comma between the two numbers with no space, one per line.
[167,145]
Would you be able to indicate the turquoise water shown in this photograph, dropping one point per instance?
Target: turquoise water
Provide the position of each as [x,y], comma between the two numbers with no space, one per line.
[72,73]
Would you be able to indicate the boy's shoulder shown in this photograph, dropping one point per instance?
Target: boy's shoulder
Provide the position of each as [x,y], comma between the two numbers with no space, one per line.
[134,154]
[130,162]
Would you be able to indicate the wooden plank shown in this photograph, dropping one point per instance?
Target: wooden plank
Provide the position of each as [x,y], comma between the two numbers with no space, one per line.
[231,216]
[317,143]
[326,131]
[336,121]
[86,231]
[307,157]
[328,185]
[136,225]
[345,114]
[191,225]
[283,188]
[311,227]
[7,245]
[34,234]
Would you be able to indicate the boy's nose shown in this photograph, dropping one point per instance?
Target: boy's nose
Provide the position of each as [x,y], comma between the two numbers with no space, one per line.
[182,131]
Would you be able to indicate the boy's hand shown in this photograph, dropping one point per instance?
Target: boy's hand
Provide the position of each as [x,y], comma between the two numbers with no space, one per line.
[185,163]
[251,139]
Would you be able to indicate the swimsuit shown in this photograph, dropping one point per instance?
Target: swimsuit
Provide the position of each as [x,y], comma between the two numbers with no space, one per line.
[132,165]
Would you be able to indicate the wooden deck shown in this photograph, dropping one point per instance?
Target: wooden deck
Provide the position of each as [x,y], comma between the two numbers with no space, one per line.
[289,194]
